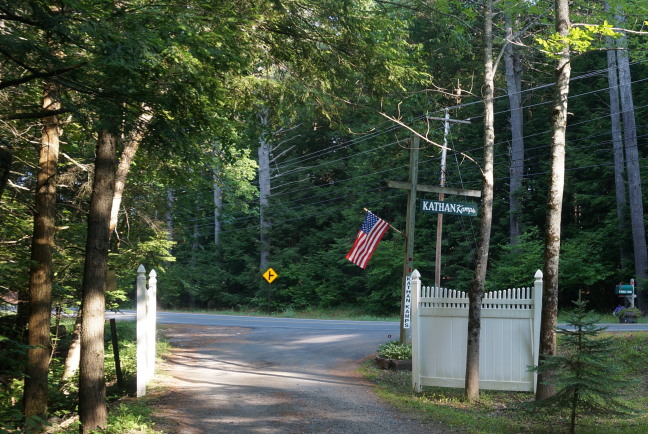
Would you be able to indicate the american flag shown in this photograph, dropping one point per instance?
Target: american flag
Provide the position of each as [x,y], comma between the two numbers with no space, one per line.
[369,235]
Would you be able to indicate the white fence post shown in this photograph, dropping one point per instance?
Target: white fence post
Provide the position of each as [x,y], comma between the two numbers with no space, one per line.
[151,314]
[141,331]
[416,333]
[537,314]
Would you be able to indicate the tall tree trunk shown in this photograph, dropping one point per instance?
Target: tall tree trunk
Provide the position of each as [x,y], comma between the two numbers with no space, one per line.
[264,192]
[6,160]
[218,193]
[617,146]
[554,203]
[169,214]
[92,386]
[73,354]
[193,261]
[40,275]
[632,164]
[125,160]
[513,67]
[128,153]
[479,277]
[218,208]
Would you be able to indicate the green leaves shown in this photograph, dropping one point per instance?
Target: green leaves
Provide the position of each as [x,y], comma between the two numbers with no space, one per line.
[395,350]
[580,39]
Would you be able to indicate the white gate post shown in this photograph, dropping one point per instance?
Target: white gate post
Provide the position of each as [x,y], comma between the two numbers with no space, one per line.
[141,331]
[537,314]
[151,314]
[416,332]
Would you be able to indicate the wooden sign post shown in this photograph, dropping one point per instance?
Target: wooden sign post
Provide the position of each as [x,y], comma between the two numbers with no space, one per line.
[412,188]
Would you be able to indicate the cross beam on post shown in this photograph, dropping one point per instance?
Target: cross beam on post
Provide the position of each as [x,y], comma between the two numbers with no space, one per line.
[412,187]
[434,189]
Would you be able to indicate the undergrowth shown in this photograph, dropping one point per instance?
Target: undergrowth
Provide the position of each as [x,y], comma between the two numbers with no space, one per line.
[502,412]
[124,415]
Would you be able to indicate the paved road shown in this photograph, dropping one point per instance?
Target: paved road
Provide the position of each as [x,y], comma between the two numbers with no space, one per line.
[241,374]
[384,327]
[244,374]
[388,329]
[350,340]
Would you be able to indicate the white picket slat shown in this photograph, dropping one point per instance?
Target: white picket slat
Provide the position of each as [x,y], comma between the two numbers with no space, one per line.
[510,334]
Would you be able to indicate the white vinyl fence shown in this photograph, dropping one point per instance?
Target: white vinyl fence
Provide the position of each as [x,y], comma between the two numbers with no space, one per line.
[146,328]
[509,339]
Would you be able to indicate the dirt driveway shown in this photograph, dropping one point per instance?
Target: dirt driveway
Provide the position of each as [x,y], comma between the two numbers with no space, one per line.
[244,380]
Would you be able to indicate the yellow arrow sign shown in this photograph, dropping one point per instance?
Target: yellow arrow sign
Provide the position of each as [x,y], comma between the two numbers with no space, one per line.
[270,275]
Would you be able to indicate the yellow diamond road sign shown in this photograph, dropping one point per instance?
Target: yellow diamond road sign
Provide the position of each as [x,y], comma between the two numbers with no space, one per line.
[270,275]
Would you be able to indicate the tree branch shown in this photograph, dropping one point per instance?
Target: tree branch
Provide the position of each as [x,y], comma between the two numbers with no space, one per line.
[616,29]
[33,115]
[37,75]
[413,131]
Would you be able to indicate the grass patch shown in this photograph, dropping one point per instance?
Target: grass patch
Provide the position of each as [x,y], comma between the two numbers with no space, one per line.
[607,318]
[344,314]
[502,412]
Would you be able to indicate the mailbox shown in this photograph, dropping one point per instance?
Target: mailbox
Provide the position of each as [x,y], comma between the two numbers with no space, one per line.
[624,290]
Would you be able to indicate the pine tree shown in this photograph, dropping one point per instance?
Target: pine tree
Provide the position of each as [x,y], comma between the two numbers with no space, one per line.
[585,378]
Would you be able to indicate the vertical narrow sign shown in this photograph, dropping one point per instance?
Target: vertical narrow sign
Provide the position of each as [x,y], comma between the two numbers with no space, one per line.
[408,302]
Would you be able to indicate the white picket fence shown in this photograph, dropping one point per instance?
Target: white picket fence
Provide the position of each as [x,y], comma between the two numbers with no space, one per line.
[509,339]
[146,328]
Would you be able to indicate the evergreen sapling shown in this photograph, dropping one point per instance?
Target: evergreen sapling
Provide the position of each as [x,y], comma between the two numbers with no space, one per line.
[586,378]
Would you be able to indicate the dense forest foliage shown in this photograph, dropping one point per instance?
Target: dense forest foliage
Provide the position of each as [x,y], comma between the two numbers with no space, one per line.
[331,153]
[249,135]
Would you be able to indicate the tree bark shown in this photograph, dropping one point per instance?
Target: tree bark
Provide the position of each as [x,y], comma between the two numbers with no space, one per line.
[633,172]
[513,68]
[264,193]
[554,203]
[6,160]
[617,146]
[218,205]
[92,386]
[74,352]
[126,159]
[40,275]
[128,153]
[479,277]
[169,214]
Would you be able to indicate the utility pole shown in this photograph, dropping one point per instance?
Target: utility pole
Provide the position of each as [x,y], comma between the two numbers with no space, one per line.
[442,182]
[412,187]
[439,235]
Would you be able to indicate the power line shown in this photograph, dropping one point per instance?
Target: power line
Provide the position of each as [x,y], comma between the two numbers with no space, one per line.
[542,86]
[379,133]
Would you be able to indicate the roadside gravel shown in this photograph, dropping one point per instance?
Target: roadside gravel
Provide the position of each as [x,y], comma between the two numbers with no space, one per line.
[243,380]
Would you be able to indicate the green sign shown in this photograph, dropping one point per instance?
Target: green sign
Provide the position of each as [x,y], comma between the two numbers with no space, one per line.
[624,290]
[454,208]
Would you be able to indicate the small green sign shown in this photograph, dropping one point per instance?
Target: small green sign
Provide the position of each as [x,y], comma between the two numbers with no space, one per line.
[624,290]
[454,208]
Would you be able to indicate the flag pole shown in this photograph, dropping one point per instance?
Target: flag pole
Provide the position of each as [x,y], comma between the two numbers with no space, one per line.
[366,210]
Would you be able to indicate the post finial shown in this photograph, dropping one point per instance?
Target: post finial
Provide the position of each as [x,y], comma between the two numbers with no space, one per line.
[141,269]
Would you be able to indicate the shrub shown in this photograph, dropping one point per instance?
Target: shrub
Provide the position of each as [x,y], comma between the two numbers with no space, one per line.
[395,350]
